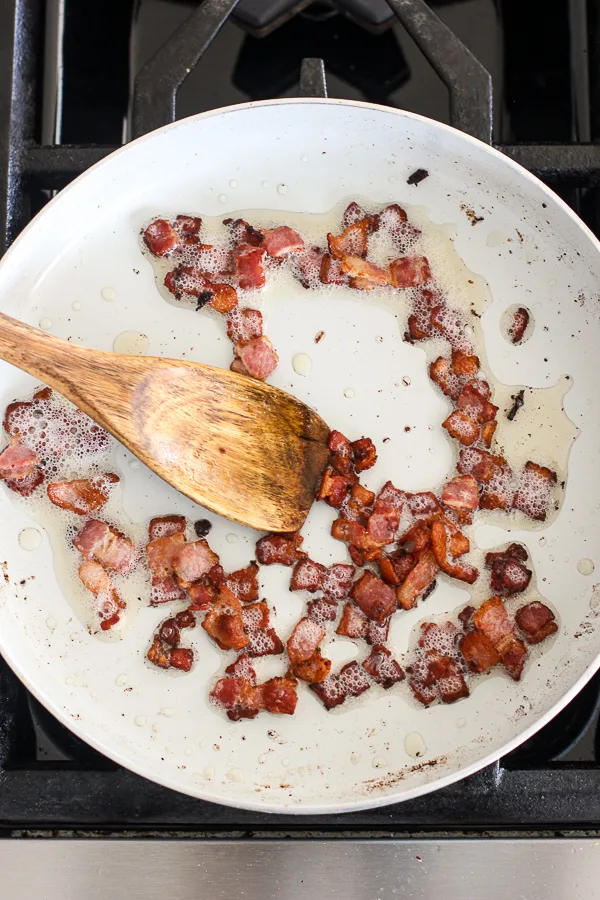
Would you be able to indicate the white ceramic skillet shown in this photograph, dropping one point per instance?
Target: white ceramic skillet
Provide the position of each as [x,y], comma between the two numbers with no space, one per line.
[78,270]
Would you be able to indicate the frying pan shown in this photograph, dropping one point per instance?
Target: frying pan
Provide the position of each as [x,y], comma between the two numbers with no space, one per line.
[308,156]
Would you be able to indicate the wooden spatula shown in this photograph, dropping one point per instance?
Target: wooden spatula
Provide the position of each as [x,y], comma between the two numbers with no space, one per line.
[241,448]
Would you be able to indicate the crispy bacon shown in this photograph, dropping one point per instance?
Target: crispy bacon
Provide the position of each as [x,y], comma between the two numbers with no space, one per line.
[26,486]
[161,238]
[192,561]
[375,598]
[244,324]
[202,594]
[508,575]
[96,541]
[439,543]
[243,233]
[249,267]
[480,464]
[536,621]
[304,640]
[418,580]
[224,622]
[442,374]
[353,623]
[520,321]
[330,691]
[423,504]
[356,535]
[162,552]
[382,668]
[391,496]
[383,524]
[306,267]
[257,356]
[409,271]
[337,581]
[263,640]
[364,454]
[83,495]
[17,461]
[239,697]
[364,275]
[321,610]
[461,493]
[244,583]
[535,491]
[352,241]
[97,580]
[331,271]
[333,488]
[395,568]
[282,241]
[465,364]
[475,406]
[279,696]
[492,618]
[307,576]
[461,428]
[279,549]
[419,328]
[487,433]
[478,651]
[164,526]
[353,214]
[189,281]
[313,670]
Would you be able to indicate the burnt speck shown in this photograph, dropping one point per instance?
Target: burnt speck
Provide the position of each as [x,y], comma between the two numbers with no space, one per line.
[202,299]
[319,336]
[202,527]
[518,401]
[417,176]
[407,427]
[473,218]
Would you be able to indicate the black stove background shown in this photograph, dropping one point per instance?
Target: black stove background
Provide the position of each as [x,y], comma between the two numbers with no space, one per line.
[66,76]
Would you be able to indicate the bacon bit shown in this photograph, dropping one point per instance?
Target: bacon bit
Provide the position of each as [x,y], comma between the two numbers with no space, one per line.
[279,696]
[383,524]
[182,658]
[17,461]
[513,658]
[193,560]
[242,668]
[424,693]
[353,623]
[257,356]
[417,581]
[439,543]
[304,640]
[243,233]
[461,428]
[161,238]
[535,491]
[396,568]
[352,241]
[391,496]
[409,271]
[83,495]
[26,486]
[307,576]
[263,639]
[393,219]
[189,281]
[377,632]
[487,433]
[333,488]
[452,686]
[96,541]
[164,526]
[519,323]
[162,552]
[353,679]
[417,176]
[159,654]
[306,267]
[244,583]
[536,621]
[279,549]
[461,493]
[417,538]
[224,622]
[97,581]
[282,241]
[249,267]
[476,406]
[418,329]
[238,366]
[353,214]
[364,275]
[201,594]
[239,697]
[364,453]
[339,444]
[376,598]
[508,575]
[480,464]
[337,581]
[319,336]
[441,373]
[224,297]
[465,364]
[244,324]
[321,610]
[492,618]
[314,670]
[458,544]
[478,651]
[357,507]
[423,504]
[330,691]
[356,535]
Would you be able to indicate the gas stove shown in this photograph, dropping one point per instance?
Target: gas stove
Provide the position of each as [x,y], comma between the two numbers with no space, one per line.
[76,81]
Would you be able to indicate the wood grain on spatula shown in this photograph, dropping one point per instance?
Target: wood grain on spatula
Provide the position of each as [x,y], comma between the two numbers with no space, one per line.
[235,445]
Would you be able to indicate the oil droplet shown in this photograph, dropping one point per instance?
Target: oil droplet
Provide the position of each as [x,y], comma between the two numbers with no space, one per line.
[94,695]
[108,293]
[69,680]
[542,542]
[379,762]
[121,679]
[301,363]
[285,762]
[30,539]
[166,711]
[282,189]
[51,623]
[140,721]
[209,773]
[156,727]
[354,758]
[235,775]
[233,183]
[265,184]
[131,343]
[262,759]
[134,464]
[379,339]
[188,751]
[45,324]
[304,158]
[406,380]
[460,723]
[231,538]
[349,393]
[414,744]
[393,179]
[76,304]
[585,566]
[222,198]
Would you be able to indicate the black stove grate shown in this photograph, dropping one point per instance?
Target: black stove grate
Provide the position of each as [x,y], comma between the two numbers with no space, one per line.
[52,780]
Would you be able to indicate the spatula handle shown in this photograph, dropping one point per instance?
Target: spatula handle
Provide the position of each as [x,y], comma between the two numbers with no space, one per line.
[42,355]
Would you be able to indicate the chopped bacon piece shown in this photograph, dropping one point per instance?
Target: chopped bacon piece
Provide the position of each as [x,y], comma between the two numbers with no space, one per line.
[26,486]
[353,214]
[201,594]
[478,651]
[480,464]
[161,238]
[465,364]
[424,693]
[224,297]
[352,241]
[520,321]
[249,267]
[313,670]
[492,619]
[331,271]
[475,406]
[239,697]
[487,433]
[282,241]
[192,561]
[258,356]
[337,581]
[182,658]
[162,552]
[535,491]
[330,691]
[439,542]
[364,275]
[417,581]
[419,328]
[409,271]
[356,535]
[353,623]
[353,679]
[423,504]
[509,575]
[357,506]
[304,640]
[97,581]
[452,686]
[159,654]
[461,493]
[243,233]
[105,545]
[238,366]
[461,428]
[242,668]
[536,621]
[224,622]
[279,549]
[417,538]
[376,598]
[377,632]
[164,526]
[440,372]
[244,583]
[383,524]
[396,567]
[189,281]
[83,495]
[514,654]
[306,267]
[364,453]
[465,616]
[279,696]
[321,610]
[244,324]
[263,639]
[339,444]
[17,461]
[307,576]
[333,488]
[391,496]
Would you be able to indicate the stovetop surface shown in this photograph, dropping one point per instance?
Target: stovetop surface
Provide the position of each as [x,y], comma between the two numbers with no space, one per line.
[66,76]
